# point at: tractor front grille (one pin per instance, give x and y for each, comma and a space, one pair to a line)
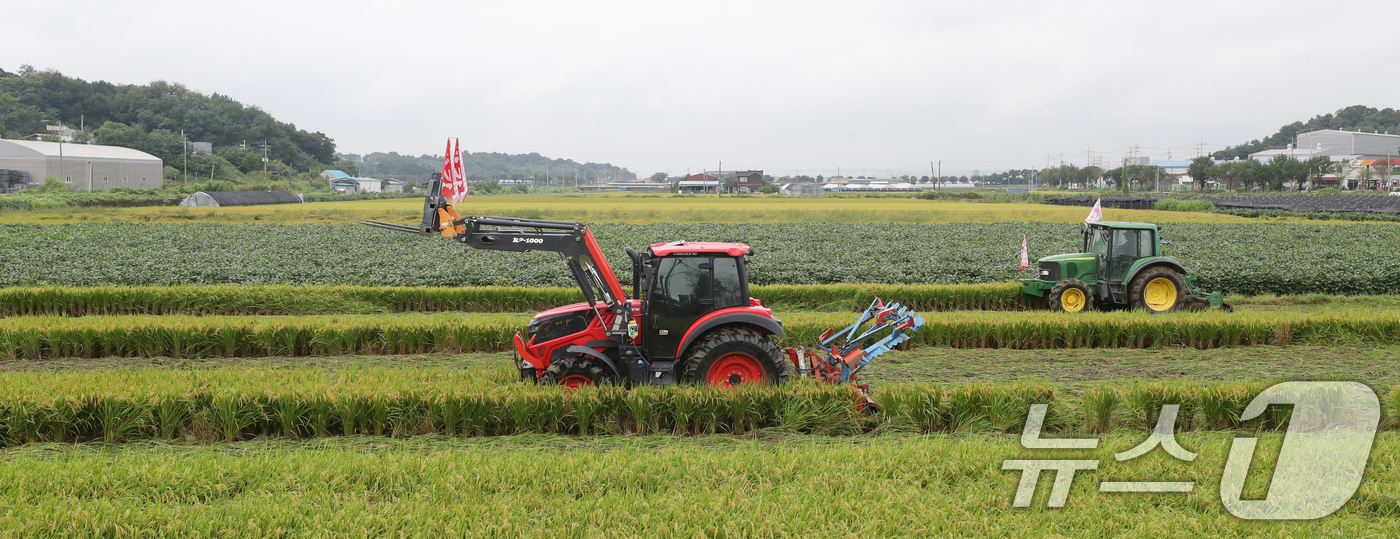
1049, 271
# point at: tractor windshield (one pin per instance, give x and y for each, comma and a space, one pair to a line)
1100, 244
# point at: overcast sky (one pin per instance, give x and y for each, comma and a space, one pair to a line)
781, 86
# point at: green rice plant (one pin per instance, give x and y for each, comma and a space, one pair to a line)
968, 408
583, 405
1221, 405
232, 413
352, 412
321, 413
917, 406
1145, 402
685, 406
120, 418
1099, 403
289, 413
169, 415
479, 414
642, 405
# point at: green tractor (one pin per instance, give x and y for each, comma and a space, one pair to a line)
1121, 265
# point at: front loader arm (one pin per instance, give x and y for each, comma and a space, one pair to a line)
574, 240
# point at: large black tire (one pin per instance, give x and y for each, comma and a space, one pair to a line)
735, 355
1060, 302
577, 371
1149, 292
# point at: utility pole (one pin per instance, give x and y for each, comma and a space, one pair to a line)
265, 148
185, 150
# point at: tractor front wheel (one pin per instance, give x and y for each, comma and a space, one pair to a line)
733, 356
1157, 290
577, 372
1071, 296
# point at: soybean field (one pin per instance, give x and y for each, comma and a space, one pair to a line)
1249, 258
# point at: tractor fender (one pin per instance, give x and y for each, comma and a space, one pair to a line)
1156, 264
737, 316
584, 350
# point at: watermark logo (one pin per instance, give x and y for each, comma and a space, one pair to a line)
1319, 467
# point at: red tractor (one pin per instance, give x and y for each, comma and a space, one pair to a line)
689, 318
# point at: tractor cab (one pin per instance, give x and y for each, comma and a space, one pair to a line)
684, 285
1120, 264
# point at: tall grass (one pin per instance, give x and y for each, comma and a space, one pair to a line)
240, 403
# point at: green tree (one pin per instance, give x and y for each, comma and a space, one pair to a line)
1199, 170
349, 167
1286, 168
1317, 167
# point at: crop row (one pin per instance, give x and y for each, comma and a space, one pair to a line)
262, 336
1243, 258
233, 404
346, 299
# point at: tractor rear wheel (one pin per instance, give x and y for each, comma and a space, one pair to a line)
577, 372
1157, 290
1070, 296
733, 356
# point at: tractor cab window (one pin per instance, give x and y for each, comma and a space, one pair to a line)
682, 283
1128, 246
1101, 237
729, 288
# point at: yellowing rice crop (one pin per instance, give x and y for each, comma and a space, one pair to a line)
247, 336
617, 208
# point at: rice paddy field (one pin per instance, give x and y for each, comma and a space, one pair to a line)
626, 208
277, 372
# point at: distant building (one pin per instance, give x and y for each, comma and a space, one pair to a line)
1339, 145
747, 181
881, 186
699, 183
807, 189
345, 183
85, 167
391, 186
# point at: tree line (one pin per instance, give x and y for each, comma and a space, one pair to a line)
484, 167
150, 117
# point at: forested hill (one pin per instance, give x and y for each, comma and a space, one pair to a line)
1353, 118
485, 165
149, 114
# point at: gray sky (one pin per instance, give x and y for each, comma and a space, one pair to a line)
782, 86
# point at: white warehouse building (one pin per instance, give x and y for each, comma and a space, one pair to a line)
85, 167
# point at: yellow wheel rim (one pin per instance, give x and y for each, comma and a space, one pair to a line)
1159, 294
1072, 300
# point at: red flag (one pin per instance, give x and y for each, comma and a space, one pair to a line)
1096, 214
1025, 260
449, 185
457, 173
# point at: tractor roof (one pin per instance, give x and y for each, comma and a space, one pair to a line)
682, 248
1124, 224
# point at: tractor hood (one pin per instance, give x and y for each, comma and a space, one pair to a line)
634, 304
572, 307
1069, 256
